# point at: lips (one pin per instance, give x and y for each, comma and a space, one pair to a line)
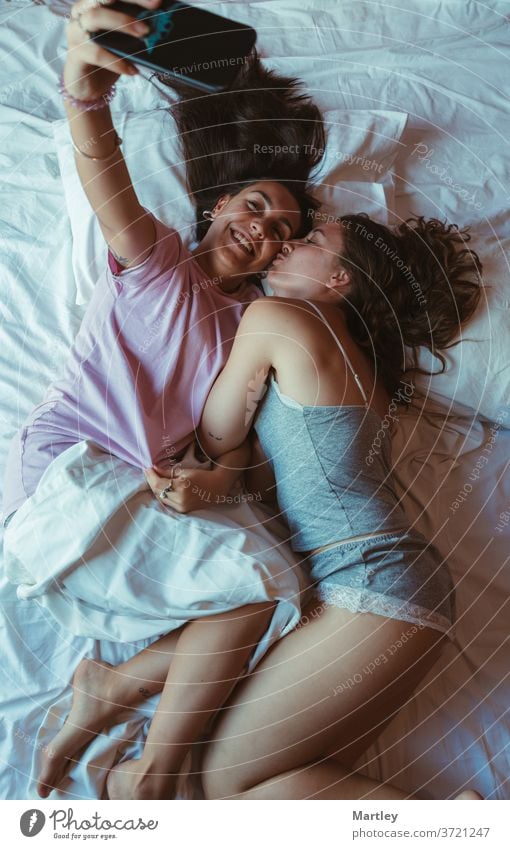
242, 241
278, 258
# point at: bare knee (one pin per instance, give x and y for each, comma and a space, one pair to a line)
211, 783
220, 780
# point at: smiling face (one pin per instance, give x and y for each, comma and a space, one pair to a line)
248, 230
311, 267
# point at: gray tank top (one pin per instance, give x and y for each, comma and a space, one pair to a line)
332, 466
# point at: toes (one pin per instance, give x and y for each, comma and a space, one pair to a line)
46, 783
43, 791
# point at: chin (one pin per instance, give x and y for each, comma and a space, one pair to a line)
275, 286
232, 260
283, 290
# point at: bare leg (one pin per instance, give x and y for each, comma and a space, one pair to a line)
319, 698
100, 693
194, 691
326, 780
329, 780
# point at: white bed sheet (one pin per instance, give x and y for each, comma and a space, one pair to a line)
446, 64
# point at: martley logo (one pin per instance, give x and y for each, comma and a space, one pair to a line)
32, 822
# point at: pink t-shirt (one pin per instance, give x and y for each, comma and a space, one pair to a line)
152, 341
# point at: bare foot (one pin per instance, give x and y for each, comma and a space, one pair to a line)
91, 710
472, 795
132, 780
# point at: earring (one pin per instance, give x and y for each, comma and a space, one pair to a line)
207, 214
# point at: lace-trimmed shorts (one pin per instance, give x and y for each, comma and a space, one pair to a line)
396, 575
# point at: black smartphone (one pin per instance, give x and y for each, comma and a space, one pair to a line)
185, 45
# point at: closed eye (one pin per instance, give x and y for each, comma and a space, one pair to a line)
311, 236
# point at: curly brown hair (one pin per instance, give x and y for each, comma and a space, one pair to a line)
413, 287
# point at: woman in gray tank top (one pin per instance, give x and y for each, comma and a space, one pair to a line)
352, 304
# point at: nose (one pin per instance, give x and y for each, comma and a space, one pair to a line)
286, 248
256, 229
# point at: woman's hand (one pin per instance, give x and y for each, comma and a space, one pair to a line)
90, 69
188, 489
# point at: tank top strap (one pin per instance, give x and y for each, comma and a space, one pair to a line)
343, 351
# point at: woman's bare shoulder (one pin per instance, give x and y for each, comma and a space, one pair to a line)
298, 316
278, 309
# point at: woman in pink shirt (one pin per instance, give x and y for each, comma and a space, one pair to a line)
159, 327
162, 318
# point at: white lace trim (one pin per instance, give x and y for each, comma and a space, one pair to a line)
367, 601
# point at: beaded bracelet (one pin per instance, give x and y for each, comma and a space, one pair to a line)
87, 105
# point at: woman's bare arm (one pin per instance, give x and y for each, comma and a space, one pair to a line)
126, 226
89, 71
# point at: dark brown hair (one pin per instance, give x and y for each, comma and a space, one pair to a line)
410, 288
264, 128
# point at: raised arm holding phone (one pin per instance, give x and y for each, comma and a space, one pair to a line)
89, 77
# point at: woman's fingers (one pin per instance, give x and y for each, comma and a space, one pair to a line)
90, 69
174, 497
94, 54
155, 481
145, 4
148, 4
98, 18
85, 5
164, 472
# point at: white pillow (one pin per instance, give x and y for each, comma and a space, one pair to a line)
476, 380
355, 173
362, 145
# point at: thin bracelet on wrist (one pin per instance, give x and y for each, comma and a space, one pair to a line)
118, 142
87, 105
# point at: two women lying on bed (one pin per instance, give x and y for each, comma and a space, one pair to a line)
373, 589
377, 583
